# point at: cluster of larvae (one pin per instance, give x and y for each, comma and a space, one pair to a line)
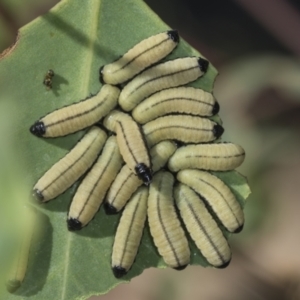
149, 149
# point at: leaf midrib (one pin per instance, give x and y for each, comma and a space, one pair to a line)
85, 88
87, 66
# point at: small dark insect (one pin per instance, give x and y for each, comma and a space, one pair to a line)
48, 79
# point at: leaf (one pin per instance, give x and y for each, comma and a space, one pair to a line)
74, 39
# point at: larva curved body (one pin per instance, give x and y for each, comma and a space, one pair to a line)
133, 148
77, 116
182, 128
160, 154
71, 167
127, 182
124, 185
112, 118
201, 226
214, 157
19, 266
184, 100
129, 233
217, 195
91, 192
162, 76
138, 58
165, 227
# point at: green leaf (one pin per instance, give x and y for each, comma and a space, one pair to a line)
74, 39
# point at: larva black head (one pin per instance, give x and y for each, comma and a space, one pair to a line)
12, 285
101, 75
174, 36
239, 229
218, 130
109, 209
224, 265
203, 64
119, 271
179, 268
144, 173
74, 224
216, 108
38, 128
37, 194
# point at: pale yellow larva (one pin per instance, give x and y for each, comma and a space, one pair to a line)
71, 167
184, 100
77, 116
144, 54
165, 227
182, 128
214, 157
127, 182
92, 190
131, 143
217, 195
169, 74
129, 233
201, 226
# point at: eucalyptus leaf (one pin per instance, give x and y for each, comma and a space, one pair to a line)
74, 39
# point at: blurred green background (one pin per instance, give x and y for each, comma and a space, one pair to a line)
255, 46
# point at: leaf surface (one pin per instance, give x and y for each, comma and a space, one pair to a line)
74, 39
